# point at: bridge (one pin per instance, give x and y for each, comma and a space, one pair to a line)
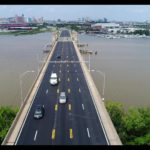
83, 120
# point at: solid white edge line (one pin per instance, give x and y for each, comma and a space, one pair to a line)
88, 132
18, 136
35, 135
20, 131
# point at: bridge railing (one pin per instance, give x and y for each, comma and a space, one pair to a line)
23, 105
107, 125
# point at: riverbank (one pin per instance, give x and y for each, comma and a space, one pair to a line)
27, 32
7, 115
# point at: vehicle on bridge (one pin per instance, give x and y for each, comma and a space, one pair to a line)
53, 79
62, 98
58, 56
39, 111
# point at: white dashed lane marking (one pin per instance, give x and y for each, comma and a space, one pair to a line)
57, 90
82, 106
36, 132
79, 90
69, 90
88, 132
46, 91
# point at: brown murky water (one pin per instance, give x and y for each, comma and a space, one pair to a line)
125, 62
17, 55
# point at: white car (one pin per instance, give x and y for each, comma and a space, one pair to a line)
62, 98
53, 79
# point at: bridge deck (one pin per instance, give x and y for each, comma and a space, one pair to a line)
76, 122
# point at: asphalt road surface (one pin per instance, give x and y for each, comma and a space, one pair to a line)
73, 123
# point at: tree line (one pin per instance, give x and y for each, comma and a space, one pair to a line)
7, 115
132, 125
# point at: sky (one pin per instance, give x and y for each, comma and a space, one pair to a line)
73, 12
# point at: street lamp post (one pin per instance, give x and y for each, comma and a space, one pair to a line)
21, 76
103, 74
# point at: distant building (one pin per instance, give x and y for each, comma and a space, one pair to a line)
40, 20
105, 25
105, 20
29, 20
4, 20
11, 20
20, 19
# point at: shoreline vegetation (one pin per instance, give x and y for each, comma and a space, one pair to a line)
7, 115
132, 125
27, 32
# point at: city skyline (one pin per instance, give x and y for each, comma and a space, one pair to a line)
73, 12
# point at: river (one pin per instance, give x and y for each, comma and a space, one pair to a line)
17, 55
125, 63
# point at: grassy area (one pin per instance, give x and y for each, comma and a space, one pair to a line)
26, 32
7, 115
5, 33
133, 125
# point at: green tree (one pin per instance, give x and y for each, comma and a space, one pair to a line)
133, 126
116, 112
142, 140
7, 115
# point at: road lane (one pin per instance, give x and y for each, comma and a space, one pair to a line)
61, 125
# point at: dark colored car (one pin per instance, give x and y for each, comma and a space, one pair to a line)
39, 111
58, 56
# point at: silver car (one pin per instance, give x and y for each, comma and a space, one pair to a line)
62, 98
39, 111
